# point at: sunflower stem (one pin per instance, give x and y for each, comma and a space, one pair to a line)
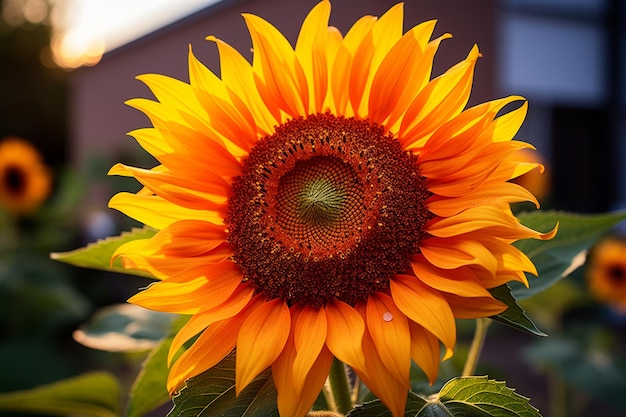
476, 347
340, 388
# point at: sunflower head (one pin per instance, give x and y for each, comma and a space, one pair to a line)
606, 272
24, 179
331, 200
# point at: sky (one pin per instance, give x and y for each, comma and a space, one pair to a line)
92, 27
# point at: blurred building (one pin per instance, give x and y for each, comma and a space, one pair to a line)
566, 56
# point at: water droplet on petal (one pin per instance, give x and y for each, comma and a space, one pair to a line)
388, 316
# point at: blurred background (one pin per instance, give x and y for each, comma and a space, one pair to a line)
67, 66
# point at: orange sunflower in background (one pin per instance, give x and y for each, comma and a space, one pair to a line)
606, 272
24, 179
328, 200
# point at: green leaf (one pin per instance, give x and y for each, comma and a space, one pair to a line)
560, 256
459, 397
514, 316
94, 394
414, 405
98, 255
212, 393
149, 391
125, 328
492, 397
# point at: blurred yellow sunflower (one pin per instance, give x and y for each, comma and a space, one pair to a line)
328, 200
24, 179
606, 272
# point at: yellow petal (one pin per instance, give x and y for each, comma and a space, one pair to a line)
173, 92
261, 339
152, 141
509, 124
156, 212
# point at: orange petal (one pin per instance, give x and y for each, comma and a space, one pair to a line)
389, 330
485, 194
311, 50
345, 331
441, 100
425, 351
461, 281
290, 403
198, 322
386, 31
454, 252
426, 307
391, 391
261, 339
206, 195
205, 353
309, 339
281, 78
474, 307
190, 291
231, 119
496, 219
343, 62
400, 76
237, 74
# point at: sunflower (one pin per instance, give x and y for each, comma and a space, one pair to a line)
24, 179
331, 200
606, 272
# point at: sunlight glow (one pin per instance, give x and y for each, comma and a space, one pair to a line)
88, 28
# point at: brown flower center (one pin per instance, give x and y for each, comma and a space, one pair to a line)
14, 180
616, 274
326, 208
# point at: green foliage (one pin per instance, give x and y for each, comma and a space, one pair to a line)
460, 397
514, 316
98, 255
212, 393
125, 328
149, 390
94, 395
560, 256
